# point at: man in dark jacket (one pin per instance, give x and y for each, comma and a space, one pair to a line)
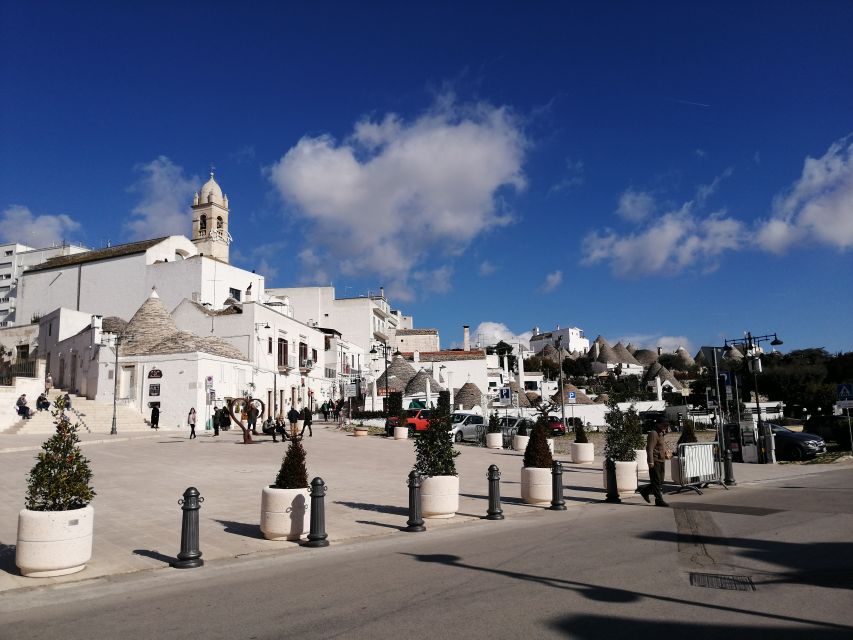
306, 422
293, 417
656, 453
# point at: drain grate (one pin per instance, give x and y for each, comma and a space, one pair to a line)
715, 581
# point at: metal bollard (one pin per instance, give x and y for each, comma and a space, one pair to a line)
317, 534
612, 490
729, 470
557, 502
190, 555
494, 511
415, 521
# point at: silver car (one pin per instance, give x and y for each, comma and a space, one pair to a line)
467, 426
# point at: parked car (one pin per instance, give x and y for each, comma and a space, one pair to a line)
390, 423
832, 428
650, 418
418, 419
465, 426
792, 445
557, 426
510, 426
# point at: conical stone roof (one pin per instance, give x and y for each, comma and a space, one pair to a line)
419, 382
523, 400
580, 396
658, 370
624, 355
469, 396
400, 372
686, 360
631, 348
646, 357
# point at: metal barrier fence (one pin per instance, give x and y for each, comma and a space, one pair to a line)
19, 369
698, 465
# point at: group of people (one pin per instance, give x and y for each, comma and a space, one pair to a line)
273, 427
42, 404
331, 408
221, 420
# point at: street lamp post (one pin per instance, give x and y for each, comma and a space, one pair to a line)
118, 338
374, 352
752, 345
562, 394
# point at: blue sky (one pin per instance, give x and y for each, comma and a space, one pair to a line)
666, 173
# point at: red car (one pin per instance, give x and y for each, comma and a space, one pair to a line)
557, 426
418, 419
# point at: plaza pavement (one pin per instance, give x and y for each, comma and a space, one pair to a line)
140, 476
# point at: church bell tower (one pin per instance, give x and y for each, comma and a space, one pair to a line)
210, 221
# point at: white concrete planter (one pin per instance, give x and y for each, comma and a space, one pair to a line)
54, 543
440, 496
494, 441
285, 513
519, 443
583, 452
535, 485
401, 433
642, 461
360, 432
626, 478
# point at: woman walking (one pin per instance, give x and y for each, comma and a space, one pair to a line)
155, 417
191, 422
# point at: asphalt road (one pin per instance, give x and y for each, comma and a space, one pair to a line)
594, 571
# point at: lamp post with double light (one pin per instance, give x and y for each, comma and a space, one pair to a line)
562, 392
752, 347
373, 352
117, 340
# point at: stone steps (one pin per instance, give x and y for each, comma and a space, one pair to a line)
92, 417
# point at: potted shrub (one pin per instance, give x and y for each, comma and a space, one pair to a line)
621, 441
583, 451
55, 527
285, 507
520, 439
536, 472
434, 455
494, 436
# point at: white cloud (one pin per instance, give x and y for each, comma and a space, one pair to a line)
313, 270
635, 206
705, 191
487, 268
166, 194
574, 177
552, 281
396, 192
489, 333
19, 224
818, 206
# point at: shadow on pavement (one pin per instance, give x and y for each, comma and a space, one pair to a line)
591, 626
380, 524
381, 508
246, 529
154, 555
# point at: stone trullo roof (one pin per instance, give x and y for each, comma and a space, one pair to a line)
523, 400
658, 370
624, 355
399, 374
469, 396
152, 331
580, 396
685, 359
418, 384
646, 357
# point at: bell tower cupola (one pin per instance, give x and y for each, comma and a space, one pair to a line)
210, 221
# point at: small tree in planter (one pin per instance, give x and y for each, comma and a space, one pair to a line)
624, 435
49, 542
285, 509
580, 432
494, 433
434, 455
583, 451
536, 473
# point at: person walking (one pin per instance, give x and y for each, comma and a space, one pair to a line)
191, 422
307, 418
48, 383
252, 414
214, 421
224, 421
657, 452
155, 417
324, 409
293, 417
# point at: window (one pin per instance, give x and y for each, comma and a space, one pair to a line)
269, 345
5, 265
218, 222
234, 293
9, 253
303, 352
282, 352
314, 355
202, 224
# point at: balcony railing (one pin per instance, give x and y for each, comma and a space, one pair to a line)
289, 364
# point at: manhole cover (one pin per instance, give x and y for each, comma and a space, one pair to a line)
715, 581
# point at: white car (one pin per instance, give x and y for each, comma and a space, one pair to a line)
466, 426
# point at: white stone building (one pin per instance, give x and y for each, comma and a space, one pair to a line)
573, 339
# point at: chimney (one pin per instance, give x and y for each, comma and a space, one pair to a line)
416, 356
660, 350
466, 337
381, 292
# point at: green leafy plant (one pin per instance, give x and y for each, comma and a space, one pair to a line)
395, 403
293, 473
537, 453
624, 433
59, 481
434, 450
580, 432
494, 425
522, 427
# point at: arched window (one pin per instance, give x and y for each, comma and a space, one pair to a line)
218, 222
202, 224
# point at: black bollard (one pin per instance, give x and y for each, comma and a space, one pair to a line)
494, 511
190, 555
729, 470
317, 534
415, 522
557, 502
612, 490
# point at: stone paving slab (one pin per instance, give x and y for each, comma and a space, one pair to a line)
140, 477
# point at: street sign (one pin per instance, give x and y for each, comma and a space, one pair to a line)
572, 397
350, 390
845, 391
505, 396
